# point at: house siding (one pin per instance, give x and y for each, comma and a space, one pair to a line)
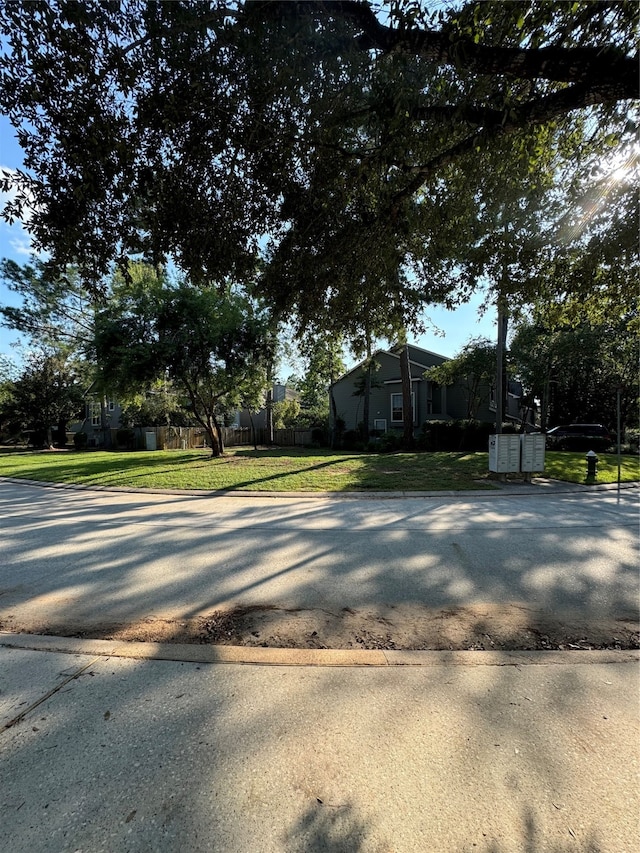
387, 381
448, 402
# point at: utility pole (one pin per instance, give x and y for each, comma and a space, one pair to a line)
502, 336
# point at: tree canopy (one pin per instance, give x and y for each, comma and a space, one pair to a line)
213, 346
47, 393
474, 368
341, 141
56, 310
576, 371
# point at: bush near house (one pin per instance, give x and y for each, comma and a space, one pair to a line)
126, 439
632, 439
80, 441
388, 442
436, 436
461, 435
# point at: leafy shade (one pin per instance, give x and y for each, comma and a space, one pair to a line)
212, 345
346, 138
57, 310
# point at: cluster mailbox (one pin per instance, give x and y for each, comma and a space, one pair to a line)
532, 449
514, 453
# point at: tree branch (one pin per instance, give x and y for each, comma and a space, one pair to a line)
533, 112
556, 64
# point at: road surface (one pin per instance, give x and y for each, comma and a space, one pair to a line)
84, 557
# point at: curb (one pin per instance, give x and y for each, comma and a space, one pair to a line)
259, 656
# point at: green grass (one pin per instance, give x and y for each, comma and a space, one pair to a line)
572, 467
263, 470
288, 470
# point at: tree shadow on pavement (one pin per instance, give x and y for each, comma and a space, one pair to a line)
534, 842
327, 828
142, 755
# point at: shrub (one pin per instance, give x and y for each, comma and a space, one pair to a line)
456, 436
318, 437
351, 439
38, 438
632, 438
80, 441
125, 438
389, 442
59, 437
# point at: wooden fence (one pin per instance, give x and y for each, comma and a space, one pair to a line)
190, 438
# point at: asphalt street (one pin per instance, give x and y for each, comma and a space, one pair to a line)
89, 556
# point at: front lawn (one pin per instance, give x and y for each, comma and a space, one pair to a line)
282, 470
289, 470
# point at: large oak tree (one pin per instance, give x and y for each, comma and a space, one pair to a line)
343, 141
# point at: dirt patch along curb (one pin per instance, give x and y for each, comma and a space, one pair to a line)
481, 627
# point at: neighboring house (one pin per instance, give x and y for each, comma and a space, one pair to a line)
92, 424
430, 401
280, 393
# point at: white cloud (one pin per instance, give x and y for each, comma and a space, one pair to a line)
21, 246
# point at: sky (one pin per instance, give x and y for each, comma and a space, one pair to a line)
455, 327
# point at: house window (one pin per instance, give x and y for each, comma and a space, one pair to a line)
112, 406
396, 408
95, 414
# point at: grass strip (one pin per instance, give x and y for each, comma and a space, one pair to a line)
291, 469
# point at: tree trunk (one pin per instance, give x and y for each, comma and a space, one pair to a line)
269, 416
220, 438
104, 423
366, 407
213, 434
62, 432
254, 437
500, 372
407, 408
334, 419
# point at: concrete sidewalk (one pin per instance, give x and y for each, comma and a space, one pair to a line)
483, 752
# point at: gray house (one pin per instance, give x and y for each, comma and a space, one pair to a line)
259, 419
101, 415
429, 400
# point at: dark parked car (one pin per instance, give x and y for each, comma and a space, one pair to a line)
579, 437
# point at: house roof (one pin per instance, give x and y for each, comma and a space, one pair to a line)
396, 355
